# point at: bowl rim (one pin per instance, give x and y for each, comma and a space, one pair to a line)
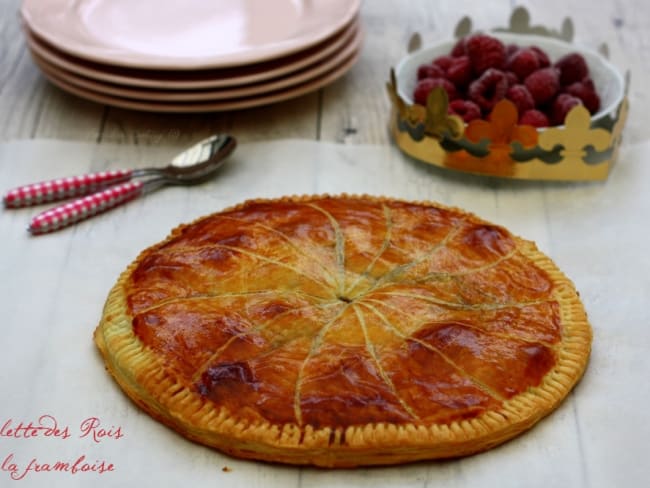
610, 108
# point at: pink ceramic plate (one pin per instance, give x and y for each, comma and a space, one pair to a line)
193, 34
219, 106
193, 79
315, 71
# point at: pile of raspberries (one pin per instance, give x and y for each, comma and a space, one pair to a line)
481, 70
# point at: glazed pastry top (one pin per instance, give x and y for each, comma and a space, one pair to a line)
346, 311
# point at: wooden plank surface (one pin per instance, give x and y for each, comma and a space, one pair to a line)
573, 448
352, 110
56, 285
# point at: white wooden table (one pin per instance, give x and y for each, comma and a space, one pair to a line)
53, 287
353, 110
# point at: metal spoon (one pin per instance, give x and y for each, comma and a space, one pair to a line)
194, 165
198, 158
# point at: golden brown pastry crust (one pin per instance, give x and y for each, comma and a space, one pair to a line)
344, 331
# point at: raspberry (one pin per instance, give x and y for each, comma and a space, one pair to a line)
561, 107
465, 109
542, 57
488, 89
512, 78
459, 48
480, 70
534, 118
523, 63
589, 83
443, 62
543, 84
586, 93
521, 97
511, 49
430, 71
424, 87
573, 67
460, 71
485, 52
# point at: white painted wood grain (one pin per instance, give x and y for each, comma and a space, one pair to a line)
54, 286
352, 110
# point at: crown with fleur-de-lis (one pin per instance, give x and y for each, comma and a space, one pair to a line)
575, 136
582, 148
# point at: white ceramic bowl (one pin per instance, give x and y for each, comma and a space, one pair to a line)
609, 82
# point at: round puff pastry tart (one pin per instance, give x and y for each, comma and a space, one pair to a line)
344, 331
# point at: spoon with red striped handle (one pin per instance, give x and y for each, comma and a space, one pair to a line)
105, 190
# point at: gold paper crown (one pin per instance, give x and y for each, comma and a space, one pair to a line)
581, 149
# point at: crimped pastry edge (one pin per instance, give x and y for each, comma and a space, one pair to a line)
143, 377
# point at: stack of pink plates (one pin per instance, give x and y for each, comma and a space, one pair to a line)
195, 55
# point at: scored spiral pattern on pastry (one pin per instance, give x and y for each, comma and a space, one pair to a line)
331, 314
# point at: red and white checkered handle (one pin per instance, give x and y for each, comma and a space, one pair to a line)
62, 188
82, 208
